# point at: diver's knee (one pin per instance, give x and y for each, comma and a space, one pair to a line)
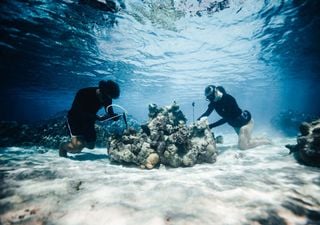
77, 147
243, 144
64, 145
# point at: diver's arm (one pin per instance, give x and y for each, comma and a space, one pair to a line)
218, 123
107, 116
110, 113
109, 110
207, 113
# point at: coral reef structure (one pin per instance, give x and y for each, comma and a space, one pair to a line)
165, 139
307, 149
51, 132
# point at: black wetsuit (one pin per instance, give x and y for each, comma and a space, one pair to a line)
83, 113
230, 112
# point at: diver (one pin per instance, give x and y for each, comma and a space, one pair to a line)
227, 107
83, 114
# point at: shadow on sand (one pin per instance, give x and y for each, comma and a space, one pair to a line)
87, 156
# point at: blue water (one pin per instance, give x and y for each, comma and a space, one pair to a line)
266, 53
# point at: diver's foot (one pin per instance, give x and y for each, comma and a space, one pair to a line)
62, 152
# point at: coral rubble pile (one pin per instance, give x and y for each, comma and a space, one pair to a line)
307, 149
165, 139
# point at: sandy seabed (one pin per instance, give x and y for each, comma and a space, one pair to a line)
263, 185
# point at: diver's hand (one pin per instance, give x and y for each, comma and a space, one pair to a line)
101, 118
115, 117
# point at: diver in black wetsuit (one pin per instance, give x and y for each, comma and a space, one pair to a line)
227, 107
83, 114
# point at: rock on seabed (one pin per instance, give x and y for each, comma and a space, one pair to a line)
307, 149
165, 139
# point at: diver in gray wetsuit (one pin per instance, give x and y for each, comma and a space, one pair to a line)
227, 107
